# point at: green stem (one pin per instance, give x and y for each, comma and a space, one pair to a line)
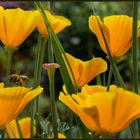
104, 79
42, 52
19, 129
135, 46
82, 128
51, 73
37, 74
98, 79
9, 61
138, 122
37, 61
33, 103
135, 52
109, 78
50, 49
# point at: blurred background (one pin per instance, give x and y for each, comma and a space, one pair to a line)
76, 39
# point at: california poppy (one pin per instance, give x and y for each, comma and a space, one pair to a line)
13, 100
117, 30
58, 23
85, 71
16, 25
104, 112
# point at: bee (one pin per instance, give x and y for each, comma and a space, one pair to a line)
18, 79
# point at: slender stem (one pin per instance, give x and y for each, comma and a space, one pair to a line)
82, 128
135, 46
33, 103
42, 52
51, 83
135, 52
98, 79
50, 49
104, 79
109, 78
38, 67
37, 74
37, 61
51, 73
19, 129
9, 61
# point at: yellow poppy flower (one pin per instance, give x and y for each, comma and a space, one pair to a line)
84, 72
104, 112
24, 124
117, 30
16, 25
13, 100
58, 23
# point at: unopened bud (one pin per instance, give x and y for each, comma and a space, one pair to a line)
48, 66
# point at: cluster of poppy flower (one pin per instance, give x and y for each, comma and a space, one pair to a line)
97, 108
102, 111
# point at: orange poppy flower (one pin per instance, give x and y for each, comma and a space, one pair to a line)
13, 100
104, 112
117, 31
84, 72
58, 23
16, 25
